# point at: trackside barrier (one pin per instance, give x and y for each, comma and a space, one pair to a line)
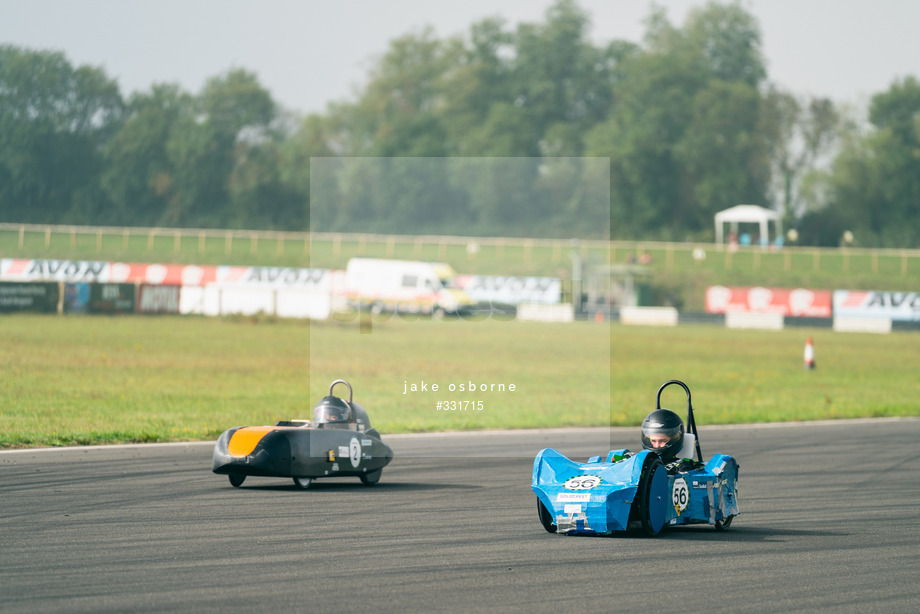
545, 313
649, 316
862, 325
745, 319
217, 300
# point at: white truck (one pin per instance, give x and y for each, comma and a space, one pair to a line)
403, 286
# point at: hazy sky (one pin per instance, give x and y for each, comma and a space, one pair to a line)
308, 53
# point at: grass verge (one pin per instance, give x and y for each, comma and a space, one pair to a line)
93, 380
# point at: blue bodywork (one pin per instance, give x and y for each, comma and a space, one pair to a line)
627, 490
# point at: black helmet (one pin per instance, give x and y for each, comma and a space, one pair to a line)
331, 410
659, 424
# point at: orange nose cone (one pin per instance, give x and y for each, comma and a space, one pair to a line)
245, 440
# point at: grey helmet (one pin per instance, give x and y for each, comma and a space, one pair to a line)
332, 410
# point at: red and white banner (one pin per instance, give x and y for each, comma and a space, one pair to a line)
75, 271
511, 290
21, 269
170, 274
798, 302
281, 277
902, 306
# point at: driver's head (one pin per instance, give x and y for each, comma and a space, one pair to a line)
331, 410
663, 433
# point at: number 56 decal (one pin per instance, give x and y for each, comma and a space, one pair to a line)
680, 495
582, 482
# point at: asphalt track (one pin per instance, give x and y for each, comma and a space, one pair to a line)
829, 523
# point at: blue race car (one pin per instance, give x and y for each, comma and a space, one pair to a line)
662, 485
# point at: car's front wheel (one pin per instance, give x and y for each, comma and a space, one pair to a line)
546, 519
303, 483
236, 479
651, 496
371, 478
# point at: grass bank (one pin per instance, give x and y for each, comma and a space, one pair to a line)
89, 380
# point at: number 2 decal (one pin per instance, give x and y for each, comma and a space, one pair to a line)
354, 449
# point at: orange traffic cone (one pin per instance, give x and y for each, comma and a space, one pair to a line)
809, 354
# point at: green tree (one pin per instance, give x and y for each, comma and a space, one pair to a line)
801, 132
314, 136
562, 81
723, 155
684, 133
139, 176
874, 184
233, 116
54, 121
397, 115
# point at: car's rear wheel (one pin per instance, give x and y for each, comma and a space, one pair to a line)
371, 478
303, 483
236, 479
546, 519
651, 496
723, 523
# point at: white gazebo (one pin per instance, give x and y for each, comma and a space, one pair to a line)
750, 214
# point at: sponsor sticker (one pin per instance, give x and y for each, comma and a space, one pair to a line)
572, 509
572, 497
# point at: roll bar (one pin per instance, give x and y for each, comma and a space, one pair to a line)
691, 421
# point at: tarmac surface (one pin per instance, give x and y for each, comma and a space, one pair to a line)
829, 522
